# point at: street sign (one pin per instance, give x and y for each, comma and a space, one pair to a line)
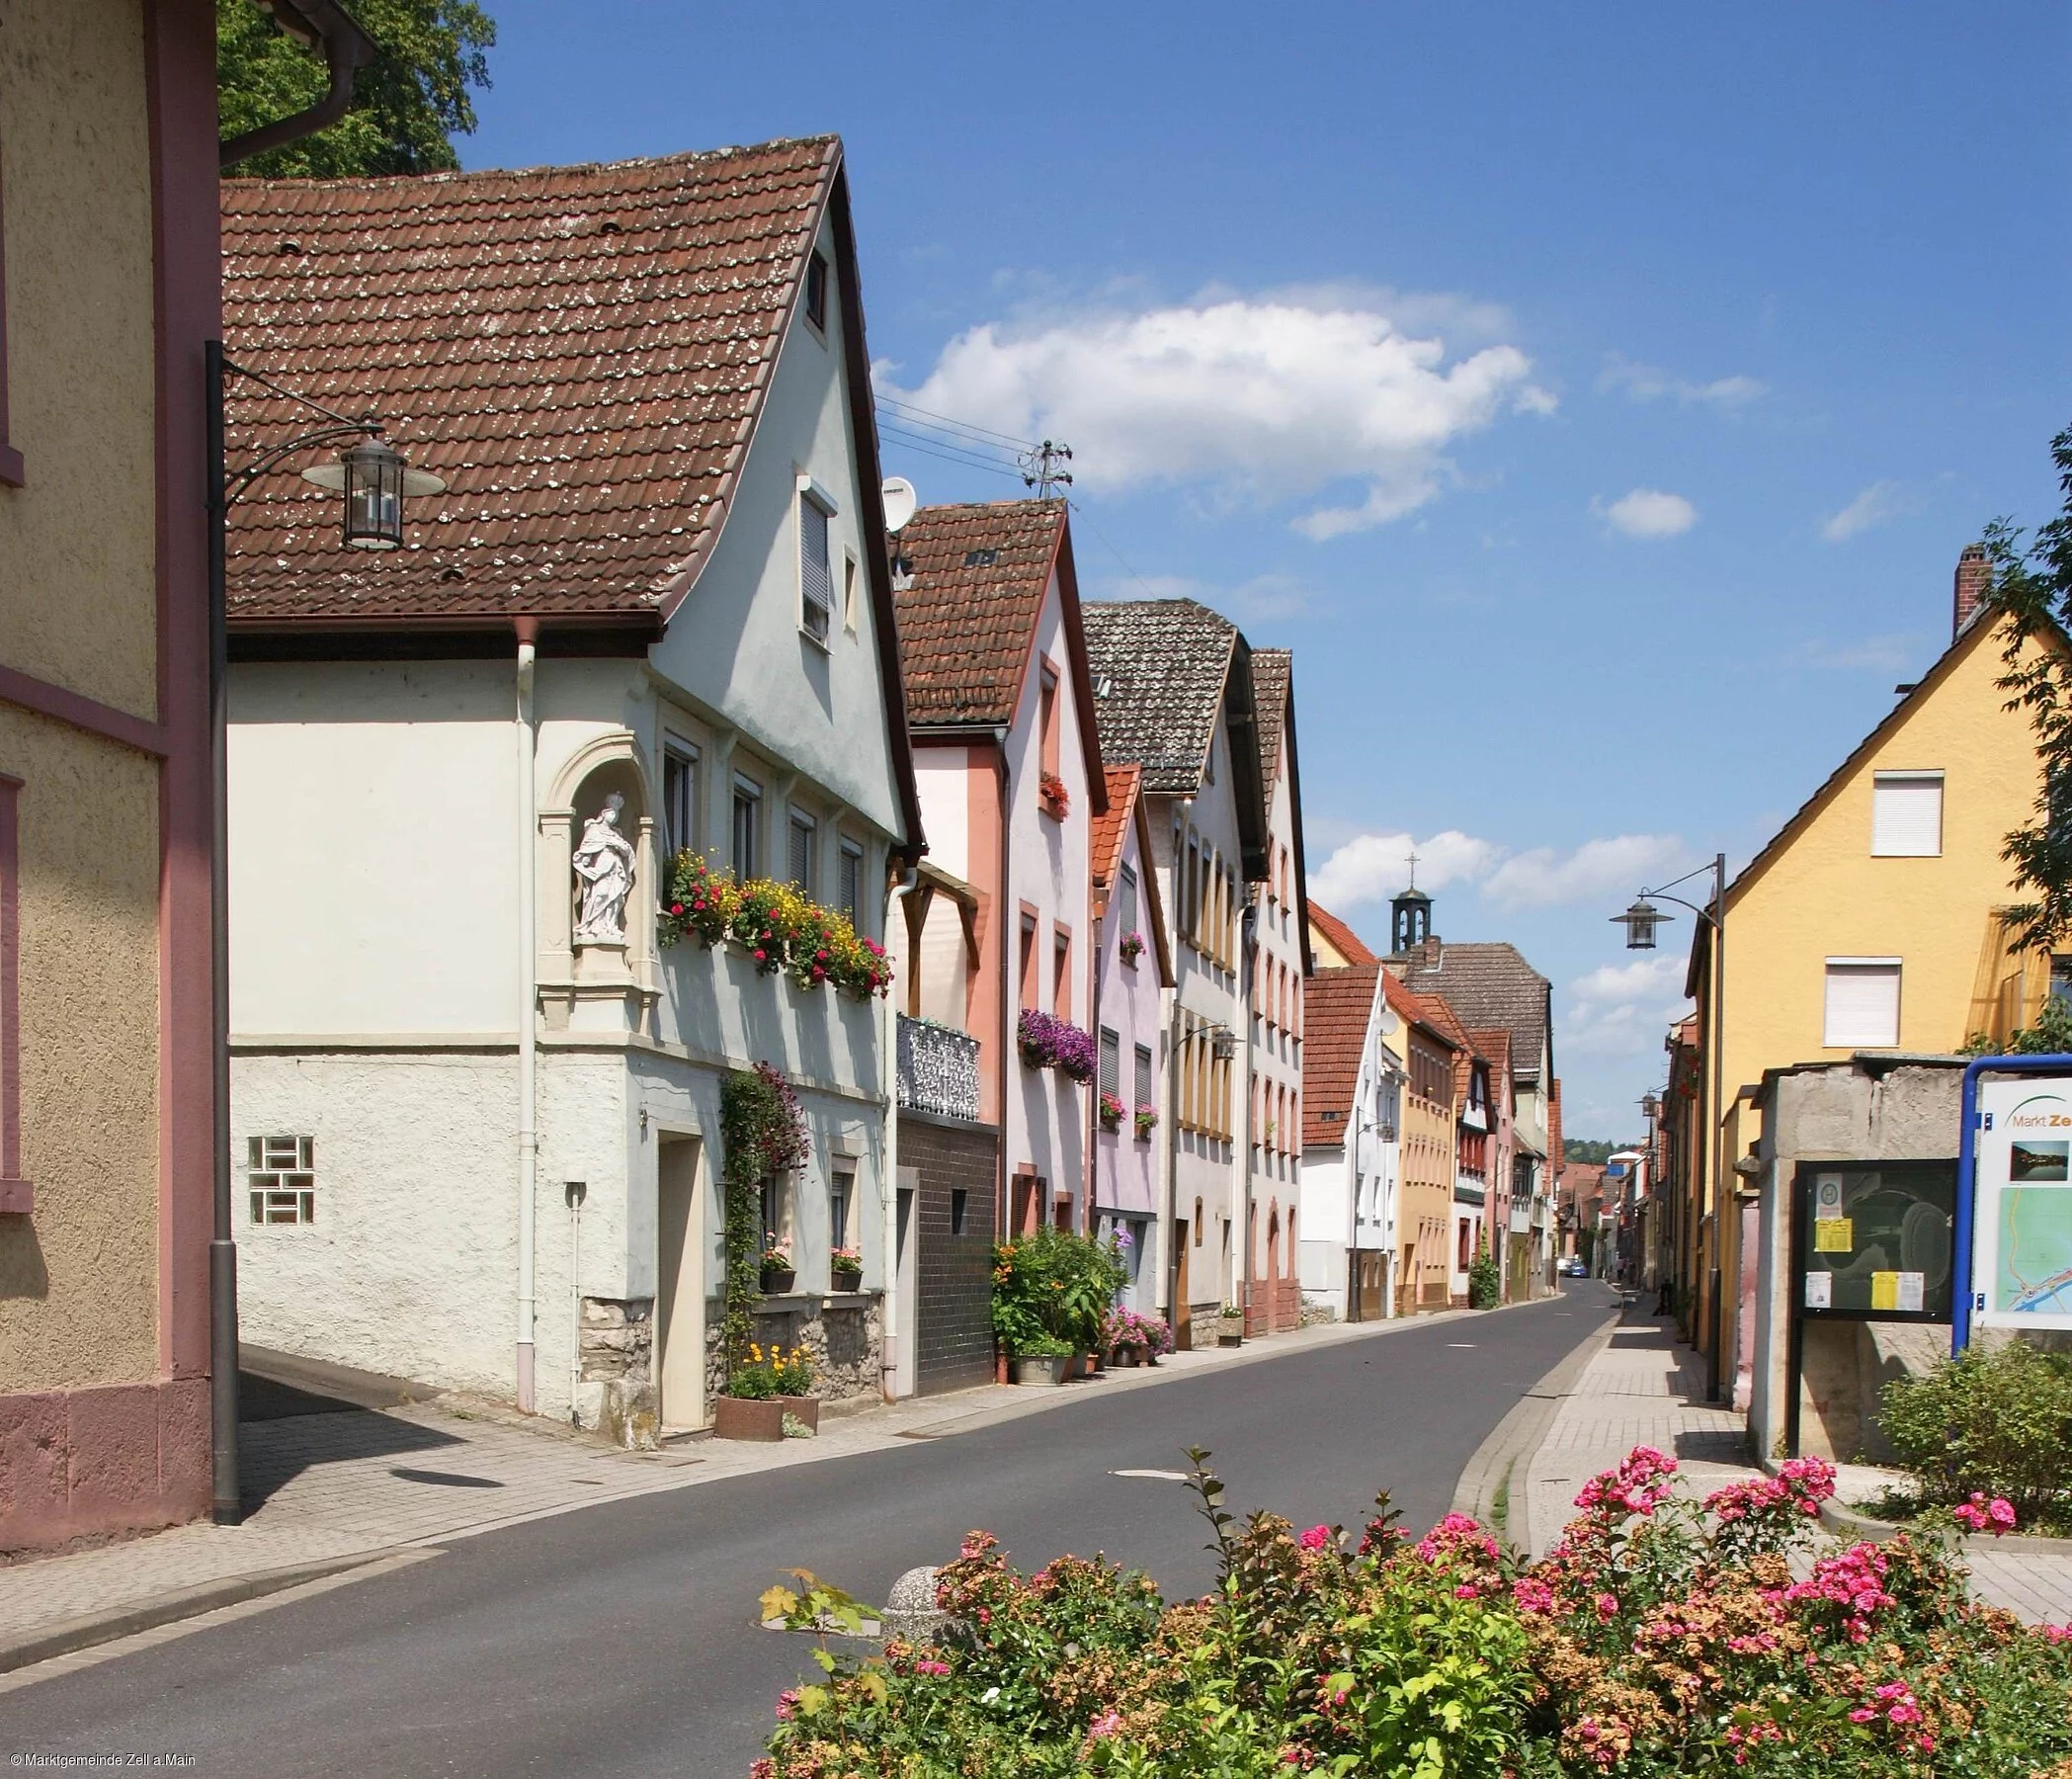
2021, 1272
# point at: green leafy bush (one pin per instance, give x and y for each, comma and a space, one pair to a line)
1998, 1422
1053, 1284
1660, 1638
772, 1371
1485, 1284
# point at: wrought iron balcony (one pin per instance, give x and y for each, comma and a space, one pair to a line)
938, 1070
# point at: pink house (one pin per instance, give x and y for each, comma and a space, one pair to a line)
1009, 767
1133, 965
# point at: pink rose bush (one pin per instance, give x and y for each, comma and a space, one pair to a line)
1661, 1636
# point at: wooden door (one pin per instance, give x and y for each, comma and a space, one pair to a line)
1182, 1318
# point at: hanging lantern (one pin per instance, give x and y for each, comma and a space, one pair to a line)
373, 477
1640, 922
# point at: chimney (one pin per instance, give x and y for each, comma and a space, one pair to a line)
1974, 580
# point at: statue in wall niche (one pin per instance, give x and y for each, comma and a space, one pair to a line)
604, 864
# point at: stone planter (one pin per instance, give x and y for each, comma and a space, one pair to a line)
744, 1417
778, 1280
1046, 1369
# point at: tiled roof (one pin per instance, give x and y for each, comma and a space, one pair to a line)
1491, 986
1104, 842
1411, 1006
969, 619
1336, 1007
1273, 670
1334, 932
1166, 663
1495, 1047
580, 352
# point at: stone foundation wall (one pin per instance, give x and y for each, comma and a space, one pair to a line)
845, 1335
616, 1392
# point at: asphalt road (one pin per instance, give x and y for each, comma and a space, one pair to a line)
621, 1640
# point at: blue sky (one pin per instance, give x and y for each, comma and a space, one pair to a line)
1594, 399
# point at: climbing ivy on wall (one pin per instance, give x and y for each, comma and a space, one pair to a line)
762, 1132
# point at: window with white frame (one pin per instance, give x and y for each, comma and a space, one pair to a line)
1906, 815
1146, 1093
798, 857
680, 794
748, 809
1110, 1061
816, 290
849, 884
281, 1179
777, 1213
817, 587
840, 1196
1863, 1003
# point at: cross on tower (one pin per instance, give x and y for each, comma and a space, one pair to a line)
1412, 863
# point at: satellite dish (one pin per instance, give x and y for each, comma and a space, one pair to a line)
900, 502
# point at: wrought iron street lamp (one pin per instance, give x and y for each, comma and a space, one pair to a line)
375, 480
1640, 922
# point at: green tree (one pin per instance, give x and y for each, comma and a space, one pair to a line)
2031, 590
407, 104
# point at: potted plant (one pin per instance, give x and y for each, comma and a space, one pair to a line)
1046, 1041
778, 1275
1110, 1112
769, 1384
1056, 798
1146, 1122
845, 1268
1042, 1360
1130, 947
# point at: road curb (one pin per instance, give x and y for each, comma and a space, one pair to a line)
69, 1636
1521, 1432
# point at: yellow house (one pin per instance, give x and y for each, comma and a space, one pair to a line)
1874, 921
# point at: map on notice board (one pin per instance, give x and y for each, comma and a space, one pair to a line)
2023, 1271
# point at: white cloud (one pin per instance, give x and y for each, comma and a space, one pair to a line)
1873, 506
1264, 398
1263, 599
1622, 1009
1597, 868
1370, 868
1649, 383
1651, 513
1892, 653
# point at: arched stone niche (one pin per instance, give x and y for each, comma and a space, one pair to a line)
596, 984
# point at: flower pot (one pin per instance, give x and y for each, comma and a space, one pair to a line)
1046, 1368
846, 1281
1123, 1358
744, 1417
777, 1280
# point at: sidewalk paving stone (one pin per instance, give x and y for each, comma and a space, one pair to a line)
1647, 1388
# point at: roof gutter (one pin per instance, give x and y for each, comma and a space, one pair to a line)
346, 49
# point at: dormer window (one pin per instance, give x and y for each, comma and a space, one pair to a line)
816, 290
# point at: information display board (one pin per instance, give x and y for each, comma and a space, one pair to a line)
2021, 1217
1874, 1240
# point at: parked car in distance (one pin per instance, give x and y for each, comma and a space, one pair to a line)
1574, 1268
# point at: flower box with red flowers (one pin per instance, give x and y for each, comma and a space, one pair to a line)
1056, 800
1110, 1112
1130, 947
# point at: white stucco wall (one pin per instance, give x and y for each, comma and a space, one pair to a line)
373, 848
1277, 1045
735, 646
410, 1267
1204, 1169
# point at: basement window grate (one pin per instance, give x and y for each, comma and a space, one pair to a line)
281, 1179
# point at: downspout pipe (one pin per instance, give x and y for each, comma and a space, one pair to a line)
346, 48
527, 822
895, 907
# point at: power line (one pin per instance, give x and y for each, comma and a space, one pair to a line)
982, 455
907, 444
920, 413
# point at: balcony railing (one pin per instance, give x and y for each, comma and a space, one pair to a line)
938, 1070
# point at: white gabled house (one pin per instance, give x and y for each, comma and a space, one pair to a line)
476, 1101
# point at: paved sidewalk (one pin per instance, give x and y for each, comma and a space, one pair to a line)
1646, 1387
346, 1488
